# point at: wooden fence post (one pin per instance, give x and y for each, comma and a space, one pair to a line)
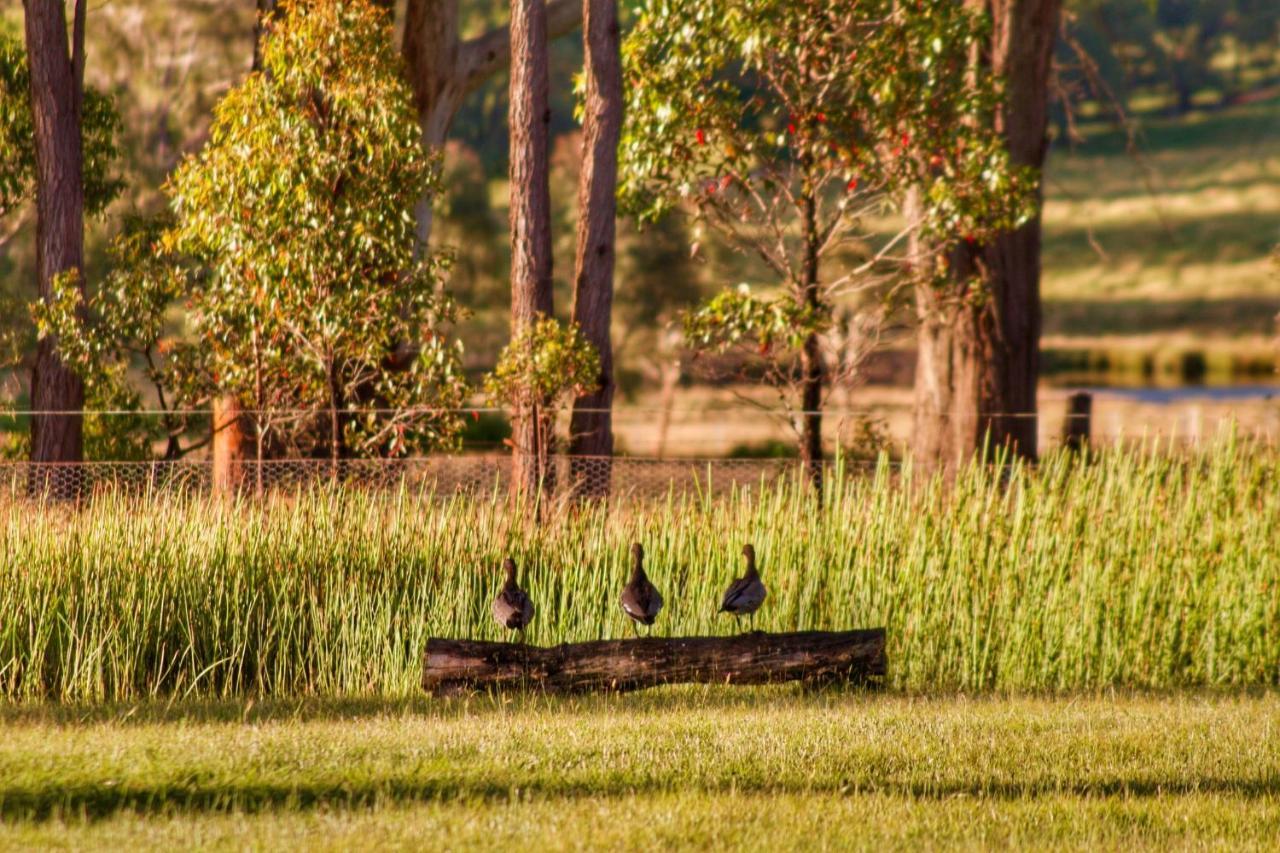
1077, 427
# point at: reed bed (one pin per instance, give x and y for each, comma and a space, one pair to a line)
1144, 568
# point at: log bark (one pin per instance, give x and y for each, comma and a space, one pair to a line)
453, 666
591, 426
978, 362
57, 85
531, 284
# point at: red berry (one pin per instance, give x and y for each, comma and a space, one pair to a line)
701, 136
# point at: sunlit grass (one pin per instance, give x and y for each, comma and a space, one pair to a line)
1146, 568
703, 767
1191, 213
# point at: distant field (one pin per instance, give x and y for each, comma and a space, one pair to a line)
1174, 236
754, 769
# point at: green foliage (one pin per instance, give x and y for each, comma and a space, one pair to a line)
546, 365
299, 211
100, 126
864, 99
737, 316
109, 331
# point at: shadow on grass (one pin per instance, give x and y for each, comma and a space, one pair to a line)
96, 801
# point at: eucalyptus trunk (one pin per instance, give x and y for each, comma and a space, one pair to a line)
591, 427
531, 294
978, 352
812, 372
57, 89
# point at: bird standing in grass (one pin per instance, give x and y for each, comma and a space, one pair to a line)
512, 609
745, 595
640, 600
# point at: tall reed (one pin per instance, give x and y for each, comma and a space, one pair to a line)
1144, 568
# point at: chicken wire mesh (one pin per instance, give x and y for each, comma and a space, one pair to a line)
444, 476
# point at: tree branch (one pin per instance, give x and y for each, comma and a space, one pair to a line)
483, 56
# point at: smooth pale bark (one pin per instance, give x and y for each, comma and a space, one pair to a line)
57, 87
443, 68
978, 361
591, 427
453, 666
531, 293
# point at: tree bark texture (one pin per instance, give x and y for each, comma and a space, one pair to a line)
591, 427
454, 666
230, 442
57, 75
443, 68
978, 361
812, 373
531, 294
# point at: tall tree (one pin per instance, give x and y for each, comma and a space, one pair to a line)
786, 127
57, 96
444, 68
978, 341
531, 293
591, 428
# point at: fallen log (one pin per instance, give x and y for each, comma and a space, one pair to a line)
454, 666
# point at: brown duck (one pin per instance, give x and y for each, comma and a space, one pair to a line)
512, 609
640, 600
745, 595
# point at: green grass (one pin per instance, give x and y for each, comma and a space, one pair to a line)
714, 767
1188, 222
1147, 568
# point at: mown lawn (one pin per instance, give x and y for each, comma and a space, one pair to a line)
706, 767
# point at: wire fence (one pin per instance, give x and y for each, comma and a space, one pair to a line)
662, 451
443, 476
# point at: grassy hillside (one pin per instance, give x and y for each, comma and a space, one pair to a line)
1173, 236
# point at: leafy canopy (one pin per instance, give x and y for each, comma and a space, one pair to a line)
100, 126
790, 128
292, 248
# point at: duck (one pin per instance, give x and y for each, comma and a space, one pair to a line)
640, 600
745, 595
512, 609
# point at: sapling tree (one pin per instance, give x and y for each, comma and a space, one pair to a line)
792, 130
544, 368
300, 207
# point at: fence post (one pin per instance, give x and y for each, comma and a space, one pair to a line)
1077, 427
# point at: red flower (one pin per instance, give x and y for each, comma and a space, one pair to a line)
852, 185
475, 416
791, 128
701, 136
822, 117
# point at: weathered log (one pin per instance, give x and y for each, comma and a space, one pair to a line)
454, 666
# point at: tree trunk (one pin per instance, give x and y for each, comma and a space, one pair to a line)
591, 427
978, 354
454, 666
811, 367
443, 69
57, 83
266, 8
531, 294
230, 441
